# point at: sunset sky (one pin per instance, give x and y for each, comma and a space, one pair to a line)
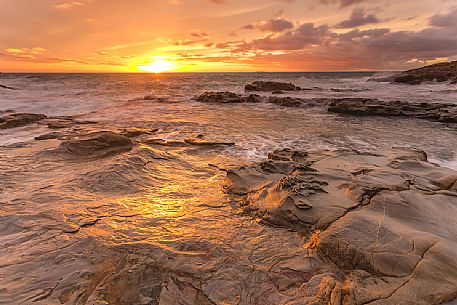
224, 35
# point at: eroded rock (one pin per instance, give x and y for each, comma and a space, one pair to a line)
97, 144
136, 132
286, 101
446, 113
227, 98
62, 122
20, 119
198, 141
269, 86
50, 136
379, 217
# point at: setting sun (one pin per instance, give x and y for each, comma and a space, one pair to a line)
158, 65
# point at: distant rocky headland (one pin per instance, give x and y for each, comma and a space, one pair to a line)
440, 72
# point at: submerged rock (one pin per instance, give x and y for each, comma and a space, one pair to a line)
379, 217
278, 92
227, 98
8, 87
441, 72
97, 144
345, 90
19, 119
269, 86
286, 101
446, 113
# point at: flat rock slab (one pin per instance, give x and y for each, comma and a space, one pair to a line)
19, 119
97, 144
386, 220
440, 112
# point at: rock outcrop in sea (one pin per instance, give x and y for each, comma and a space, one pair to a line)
227, 98
386, 221
269, 86
97, 144
286, 101
441, 72
440, 112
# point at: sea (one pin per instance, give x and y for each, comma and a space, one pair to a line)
166, 101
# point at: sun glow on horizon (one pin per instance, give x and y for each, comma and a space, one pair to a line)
158, 65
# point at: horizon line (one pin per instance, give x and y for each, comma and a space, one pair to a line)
192, 72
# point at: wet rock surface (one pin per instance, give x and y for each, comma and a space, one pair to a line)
269, 86
288, 101
285, 101
125, 229
19, 119
441, 72
439, 112
446, 113
187, 142
136, 132
63, 122
227, 98
97, 144
50, 136
382, 219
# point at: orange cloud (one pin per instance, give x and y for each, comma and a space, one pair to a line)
68, 5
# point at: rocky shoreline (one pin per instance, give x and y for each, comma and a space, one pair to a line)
161, 210
379, 217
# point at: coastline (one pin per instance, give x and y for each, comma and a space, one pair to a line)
132, 201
